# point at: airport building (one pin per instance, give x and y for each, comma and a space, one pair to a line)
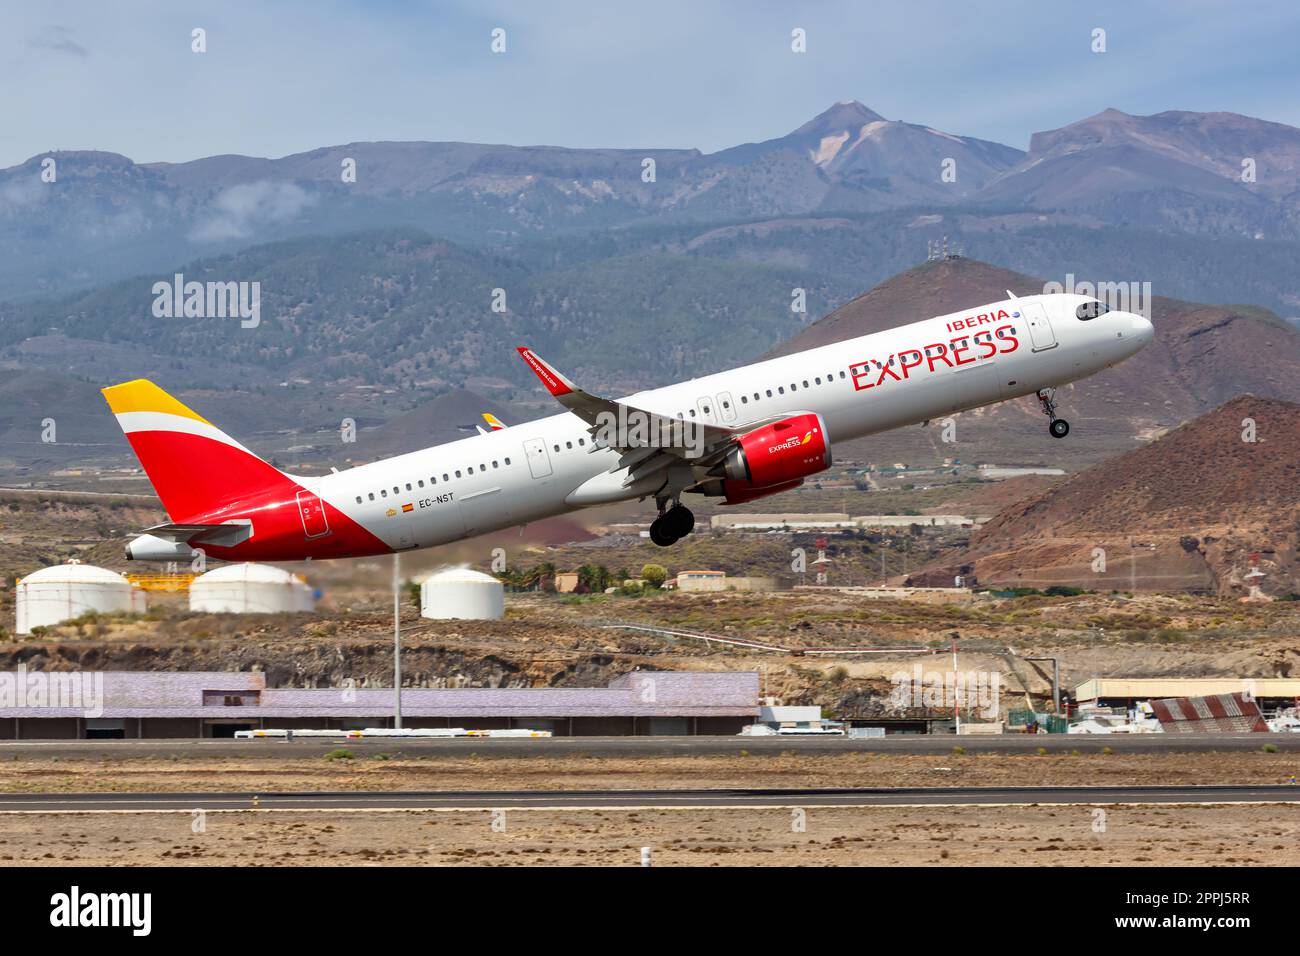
1271, 692
158, 704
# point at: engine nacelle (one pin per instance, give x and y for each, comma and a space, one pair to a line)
150, 547
777, 454
738, 492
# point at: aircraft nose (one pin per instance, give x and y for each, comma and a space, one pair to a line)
1143, 330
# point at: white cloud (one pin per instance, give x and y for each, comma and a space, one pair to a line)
238, 212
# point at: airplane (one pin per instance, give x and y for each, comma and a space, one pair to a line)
494, 424
737, 435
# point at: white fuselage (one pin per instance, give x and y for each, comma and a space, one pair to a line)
859, 386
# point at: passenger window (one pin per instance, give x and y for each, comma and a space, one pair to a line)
582, 441
568, 444
458, 474
408, 486
446, 477
818, 380
433, 479
557, 448
507, 462
781, 389
744, 399
383, 493
358, 499
726, 404
495, 464
372, 496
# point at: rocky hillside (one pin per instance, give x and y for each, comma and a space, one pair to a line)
1200, 507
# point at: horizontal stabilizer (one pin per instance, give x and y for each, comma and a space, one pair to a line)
226, 535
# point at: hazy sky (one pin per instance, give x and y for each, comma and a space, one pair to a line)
284, 77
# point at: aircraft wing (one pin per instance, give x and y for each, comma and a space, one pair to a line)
622, 426
647, 442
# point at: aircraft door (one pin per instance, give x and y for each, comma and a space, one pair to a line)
706, 409
312, 512
539, 462
726, 407
1041, 334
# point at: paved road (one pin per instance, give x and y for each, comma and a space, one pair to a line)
614, 799
271, 749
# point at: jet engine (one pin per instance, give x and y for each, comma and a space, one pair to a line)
773, 458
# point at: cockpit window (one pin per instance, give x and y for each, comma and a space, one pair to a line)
1091, 309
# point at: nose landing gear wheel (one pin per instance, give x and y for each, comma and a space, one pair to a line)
1058, 427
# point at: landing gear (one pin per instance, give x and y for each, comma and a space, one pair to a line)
677, 522
1057, 427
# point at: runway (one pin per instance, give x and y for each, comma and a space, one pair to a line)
930, 744
484, 800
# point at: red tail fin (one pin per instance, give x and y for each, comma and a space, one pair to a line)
194, 466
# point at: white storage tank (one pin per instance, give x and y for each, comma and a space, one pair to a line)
250, 589
66, 591
462, 594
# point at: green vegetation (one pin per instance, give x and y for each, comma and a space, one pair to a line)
654, 575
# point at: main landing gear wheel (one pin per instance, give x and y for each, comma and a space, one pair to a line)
659, 535
677, 522
680, 520
1057, 427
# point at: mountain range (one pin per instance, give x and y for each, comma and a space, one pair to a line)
105, 216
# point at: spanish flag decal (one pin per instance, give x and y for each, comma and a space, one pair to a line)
406, 508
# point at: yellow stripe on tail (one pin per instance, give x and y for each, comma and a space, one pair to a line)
142, 395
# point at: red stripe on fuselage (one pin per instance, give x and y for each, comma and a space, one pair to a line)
203, 481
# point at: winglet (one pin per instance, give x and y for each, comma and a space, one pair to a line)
555, 383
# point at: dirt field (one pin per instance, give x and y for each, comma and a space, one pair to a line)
948, 836
265, 771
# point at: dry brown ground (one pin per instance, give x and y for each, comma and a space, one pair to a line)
1000, 836
265, 770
